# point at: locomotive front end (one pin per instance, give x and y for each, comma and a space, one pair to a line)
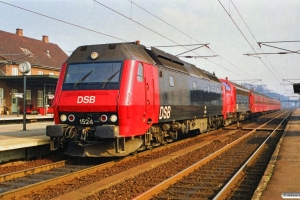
86, 106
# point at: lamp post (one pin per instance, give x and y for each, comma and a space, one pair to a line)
24, 68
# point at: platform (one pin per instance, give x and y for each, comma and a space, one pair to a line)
16, 143
29, 118
281, 178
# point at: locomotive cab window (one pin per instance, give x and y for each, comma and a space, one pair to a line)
95, 75
171, 81
227, 87
140, 73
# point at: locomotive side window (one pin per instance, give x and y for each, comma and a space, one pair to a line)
171, 81
140, 73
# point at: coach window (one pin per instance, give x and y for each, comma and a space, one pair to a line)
194, 85
171, 81
140, 74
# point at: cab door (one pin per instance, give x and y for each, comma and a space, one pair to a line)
149, 93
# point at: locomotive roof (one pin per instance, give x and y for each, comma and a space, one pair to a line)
173, 62
168, 60
111, 52
211, 76
136, 51
239, 87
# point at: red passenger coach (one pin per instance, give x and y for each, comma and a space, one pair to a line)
260, 104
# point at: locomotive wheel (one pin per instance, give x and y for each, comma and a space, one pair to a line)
159, 140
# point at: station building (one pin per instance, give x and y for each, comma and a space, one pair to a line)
45, 59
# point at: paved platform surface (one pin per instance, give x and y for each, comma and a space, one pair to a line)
20, 117
12, 136
286, 164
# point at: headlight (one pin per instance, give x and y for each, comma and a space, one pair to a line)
113, 118
94, 55
63, 117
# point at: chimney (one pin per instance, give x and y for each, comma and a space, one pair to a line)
19, 32
45, 39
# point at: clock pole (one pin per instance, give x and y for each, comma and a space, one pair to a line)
24, 68
24, 102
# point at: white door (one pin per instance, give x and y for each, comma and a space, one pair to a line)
14, 101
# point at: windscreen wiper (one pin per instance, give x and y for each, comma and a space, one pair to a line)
82, 79
109, 79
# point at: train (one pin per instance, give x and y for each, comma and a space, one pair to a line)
115, 99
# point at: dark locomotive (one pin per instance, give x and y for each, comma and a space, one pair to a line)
116, 99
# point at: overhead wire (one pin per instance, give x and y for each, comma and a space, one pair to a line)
187, 36
246, 39
136, 22
129, 18
253, 36
59, 20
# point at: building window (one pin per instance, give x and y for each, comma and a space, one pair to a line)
1, 96
51, 73
194, 85
140, 74
40, 72
40, 98
171, 81
15, 71
28, 97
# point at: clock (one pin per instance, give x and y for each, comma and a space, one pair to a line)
24, 67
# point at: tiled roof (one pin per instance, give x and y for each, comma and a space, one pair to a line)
15, 47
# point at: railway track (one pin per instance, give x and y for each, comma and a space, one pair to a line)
231, 173
118, 172
44, 189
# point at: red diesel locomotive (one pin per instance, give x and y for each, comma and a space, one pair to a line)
116, 99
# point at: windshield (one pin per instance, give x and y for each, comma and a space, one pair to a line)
226, 86
87, 76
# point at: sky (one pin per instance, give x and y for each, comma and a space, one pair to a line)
231, 28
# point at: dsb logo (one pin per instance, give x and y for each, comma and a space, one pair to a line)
165, 112
86, 99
